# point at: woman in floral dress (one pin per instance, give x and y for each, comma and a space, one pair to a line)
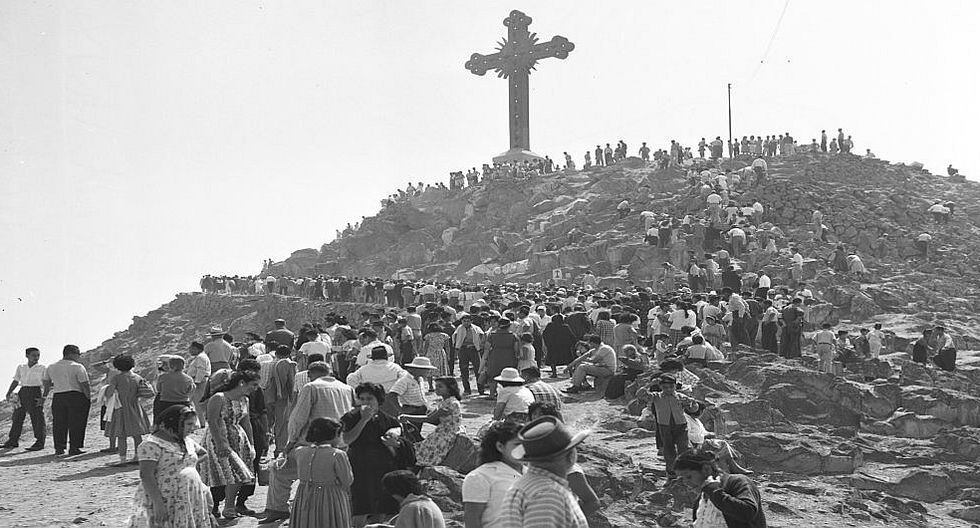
447, 417
170, 493
435, 346
228, 438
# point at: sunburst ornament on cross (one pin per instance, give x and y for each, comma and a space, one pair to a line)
516, 56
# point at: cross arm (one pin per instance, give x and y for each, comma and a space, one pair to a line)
479, 64
557, 47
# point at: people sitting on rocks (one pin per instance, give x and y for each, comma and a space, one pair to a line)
600, 362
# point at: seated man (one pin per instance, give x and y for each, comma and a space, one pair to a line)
599, 362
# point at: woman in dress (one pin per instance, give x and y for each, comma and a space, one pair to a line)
724, 500
325, 476
170, 491
484, 487
559, 343
435, 346
502, 349
376, 447
447, 417
228, 438
127, 419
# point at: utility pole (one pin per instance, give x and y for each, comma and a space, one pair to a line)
729, 120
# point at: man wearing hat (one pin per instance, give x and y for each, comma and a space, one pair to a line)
381, 370
668, 409
406, 394
542, 497
219, 351
280, 336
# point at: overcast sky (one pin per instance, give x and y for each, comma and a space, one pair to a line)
145, 144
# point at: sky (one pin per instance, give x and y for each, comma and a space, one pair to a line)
144, 144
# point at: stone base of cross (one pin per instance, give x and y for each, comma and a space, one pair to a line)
516, 155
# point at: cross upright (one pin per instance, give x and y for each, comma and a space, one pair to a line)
516, 56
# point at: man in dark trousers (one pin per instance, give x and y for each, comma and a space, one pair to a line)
68, 380
668, 410
29, 377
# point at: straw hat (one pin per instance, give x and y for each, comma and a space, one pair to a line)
420, 363
509, 374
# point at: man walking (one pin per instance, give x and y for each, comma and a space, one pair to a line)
29, 377
219, 351
70, 404
468, 340
668, 409
279, 395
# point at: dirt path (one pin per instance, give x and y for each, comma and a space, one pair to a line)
38, 489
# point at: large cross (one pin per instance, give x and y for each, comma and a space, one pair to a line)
516, 56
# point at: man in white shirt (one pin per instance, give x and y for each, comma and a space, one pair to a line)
379, 370
369, 340
738, 241
70, 404
317, 344
199, 369
29, 377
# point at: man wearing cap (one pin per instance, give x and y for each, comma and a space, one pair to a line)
219, 351
279, 336
668, 409
541, 497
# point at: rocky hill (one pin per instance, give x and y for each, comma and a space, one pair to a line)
893, 444
520, 230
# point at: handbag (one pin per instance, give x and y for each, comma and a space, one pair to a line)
144, 390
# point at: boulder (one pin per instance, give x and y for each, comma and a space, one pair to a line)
920, 484
795, 453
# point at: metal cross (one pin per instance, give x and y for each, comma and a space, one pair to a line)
516, 56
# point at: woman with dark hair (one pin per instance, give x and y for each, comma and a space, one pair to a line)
501, 351
170, 491
376, 448
416, 510
435, 346
228, 438
325, 477
127, 419
448, 419
731, 501
559, 343
485, 486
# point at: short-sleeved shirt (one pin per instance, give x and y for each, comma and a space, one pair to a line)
29, 376
219, 351
517, 398
199, 368
409, 391
66, 376
541, 498
545, 393
487, 485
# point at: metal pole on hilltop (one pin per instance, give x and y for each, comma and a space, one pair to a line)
730, 120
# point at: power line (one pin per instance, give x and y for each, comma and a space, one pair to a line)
772, 39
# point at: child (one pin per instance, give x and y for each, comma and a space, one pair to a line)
525, 357
325, 477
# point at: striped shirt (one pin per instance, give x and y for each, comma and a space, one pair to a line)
541, 499
544, 393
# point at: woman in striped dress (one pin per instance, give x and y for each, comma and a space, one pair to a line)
228, 438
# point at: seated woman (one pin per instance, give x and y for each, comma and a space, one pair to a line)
448, 419
703, 441
513, 397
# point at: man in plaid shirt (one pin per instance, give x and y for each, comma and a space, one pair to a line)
543, 392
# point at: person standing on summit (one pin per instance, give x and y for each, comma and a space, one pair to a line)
823, 141
840, 140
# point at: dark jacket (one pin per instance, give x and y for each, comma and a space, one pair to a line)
739, 501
